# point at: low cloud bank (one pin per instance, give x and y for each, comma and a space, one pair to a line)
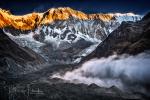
121, 71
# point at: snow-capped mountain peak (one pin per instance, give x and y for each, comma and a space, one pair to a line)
63, 31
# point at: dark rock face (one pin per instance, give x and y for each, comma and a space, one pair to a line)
16, 32
147, 16
130, 38
13, 58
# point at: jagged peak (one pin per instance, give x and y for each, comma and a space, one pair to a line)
32, 20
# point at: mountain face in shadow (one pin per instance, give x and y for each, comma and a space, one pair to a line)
14, 59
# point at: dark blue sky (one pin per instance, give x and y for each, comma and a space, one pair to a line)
87, 6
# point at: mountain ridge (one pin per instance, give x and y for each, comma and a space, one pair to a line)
32, 20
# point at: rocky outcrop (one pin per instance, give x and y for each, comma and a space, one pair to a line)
129, 37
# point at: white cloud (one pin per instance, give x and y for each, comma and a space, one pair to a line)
115, 70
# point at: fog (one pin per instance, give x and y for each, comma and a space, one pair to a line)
121, 71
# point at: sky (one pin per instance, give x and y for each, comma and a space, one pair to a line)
20, 7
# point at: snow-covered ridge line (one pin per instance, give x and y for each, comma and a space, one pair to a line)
124, 14
127, 17
33, 20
